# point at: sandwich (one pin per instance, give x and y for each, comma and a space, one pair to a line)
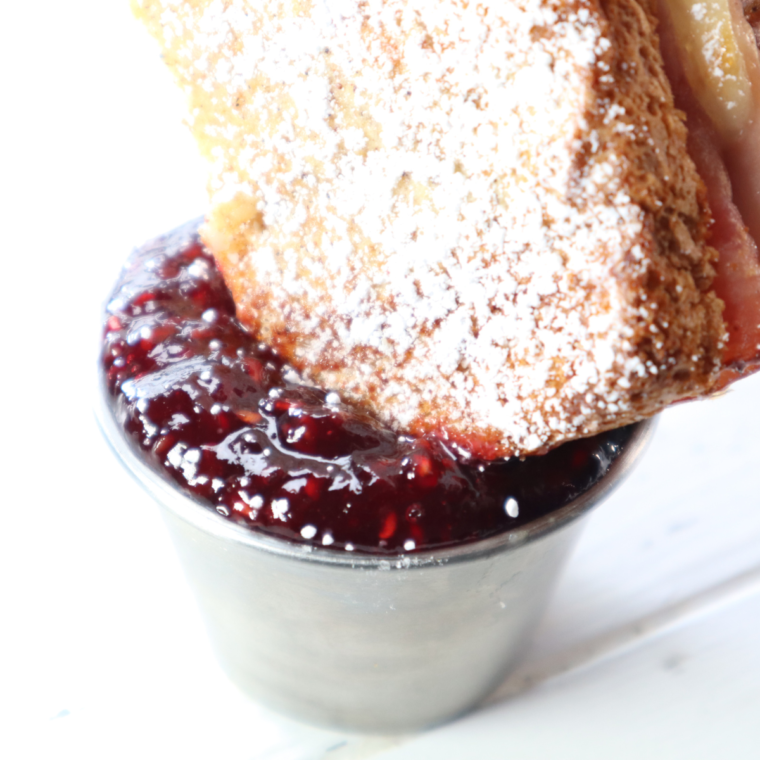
506, 224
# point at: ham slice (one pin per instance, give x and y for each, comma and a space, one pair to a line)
737, 280
729, 163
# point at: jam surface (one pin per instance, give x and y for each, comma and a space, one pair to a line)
232, 424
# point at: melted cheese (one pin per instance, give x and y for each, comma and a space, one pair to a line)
718, 51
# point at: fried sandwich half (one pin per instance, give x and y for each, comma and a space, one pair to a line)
488, 221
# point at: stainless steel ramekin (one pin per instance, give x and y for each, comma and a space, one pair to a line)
361, 642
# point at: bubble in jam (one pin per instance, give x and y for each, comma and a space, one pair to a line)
233, 425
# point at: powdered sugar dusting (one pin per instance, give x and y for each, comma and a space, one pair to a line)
421, 221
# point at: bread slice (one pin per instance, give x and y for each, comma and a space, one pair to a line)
476, 220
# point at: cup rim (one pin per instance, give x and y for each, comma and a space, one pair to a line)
196, 513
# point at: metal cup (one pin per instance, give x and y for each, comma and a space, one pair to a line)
361, 642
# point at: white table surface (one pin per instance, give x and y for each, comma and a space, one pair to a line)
649, 648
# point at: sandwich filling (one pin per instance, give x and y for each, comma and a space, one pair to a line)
710, 51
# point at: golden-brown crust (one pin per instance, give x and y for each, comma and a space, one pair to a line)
661, 178
573, 294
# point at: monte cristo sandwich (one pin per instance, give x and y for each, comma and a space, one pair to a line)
509, 223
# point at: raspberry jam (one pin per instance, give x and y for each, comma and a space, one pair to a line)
234, 426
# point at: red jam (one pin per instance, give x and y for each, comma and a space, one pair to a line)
234, 426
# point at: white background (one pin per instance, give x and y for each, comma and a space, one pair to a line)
650, 648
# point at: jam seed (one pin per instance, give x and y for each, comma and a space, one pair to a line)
422, 465
249, 416
254, 368
414, 512
313, 487
389, 526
